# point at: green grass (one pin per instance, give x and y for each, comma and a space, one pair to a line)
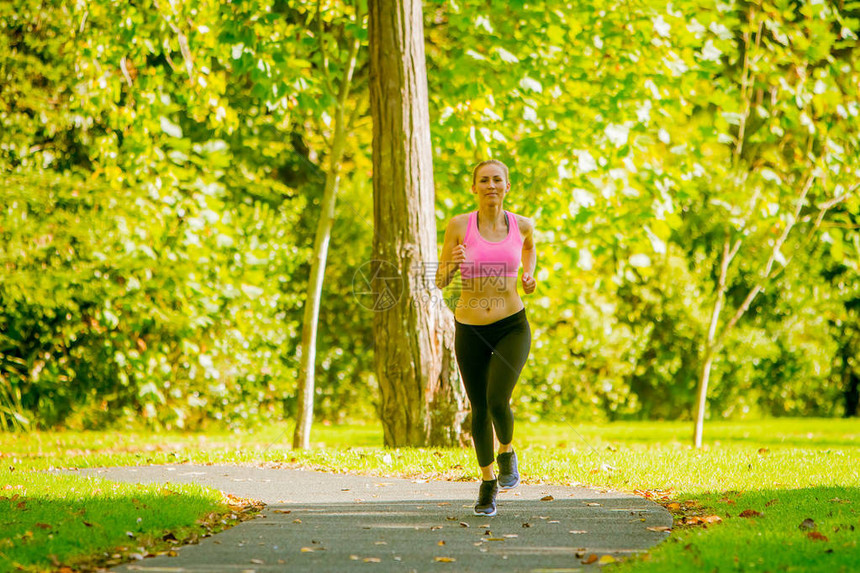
810, 467
52, 520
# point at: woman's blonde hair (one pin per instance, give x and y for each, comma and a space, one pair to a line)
489, 162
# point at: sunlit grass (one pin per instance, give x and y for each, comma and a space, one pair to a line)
51, 520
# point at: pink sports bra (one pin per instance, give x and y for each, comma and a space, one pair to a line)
488, 259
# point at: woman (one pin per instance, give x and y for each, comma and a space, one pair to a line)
492, 335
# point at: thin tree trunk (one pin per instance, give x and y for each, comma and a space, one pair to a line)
422, 399
306, 384
729, 253
715, 342
702, 397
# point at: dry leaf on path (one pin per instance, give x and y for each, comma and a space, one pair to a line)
589, 560
659, 528
444, 559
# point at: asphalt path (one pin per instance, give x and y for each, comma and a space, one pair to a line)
337, 523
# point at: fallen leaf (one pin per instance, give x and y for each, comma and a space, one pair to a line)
589, 560
806, 524
258, 562
606, 559
444, 559
700, 520
674, 506
763, 451
282, 511
435, 527
817, 536
441, 543
771, 502
297, 521
547, 498
593, 504
750, 513
43, 526
580, 554
307, 549
659, 528
511, 535
577, 531
372, 560
527, 524
464, 524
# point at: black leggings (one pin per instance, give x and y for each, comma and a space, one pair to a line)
491, 357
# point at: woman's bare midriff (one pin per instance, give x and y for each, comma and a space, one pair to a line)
484, 300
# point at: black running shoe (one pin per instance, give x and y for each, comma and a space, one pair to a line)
509, 475
486, 504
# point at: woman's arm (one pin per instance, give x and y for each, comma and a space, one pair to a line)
453, 253
529, 256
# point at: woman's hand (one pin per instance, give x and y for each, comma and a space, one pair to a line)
458, 255
529, 283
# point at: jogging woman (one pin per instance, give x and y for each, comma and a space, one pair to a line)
492, 335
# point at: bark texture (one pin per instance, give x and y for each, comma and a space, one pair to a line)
422, 398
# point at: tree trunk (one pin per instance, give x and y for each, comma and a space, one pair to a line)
422, 399
850, 381
305, 383
702, 398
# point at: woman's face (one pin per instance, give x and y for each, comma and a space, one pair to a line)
491, 184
